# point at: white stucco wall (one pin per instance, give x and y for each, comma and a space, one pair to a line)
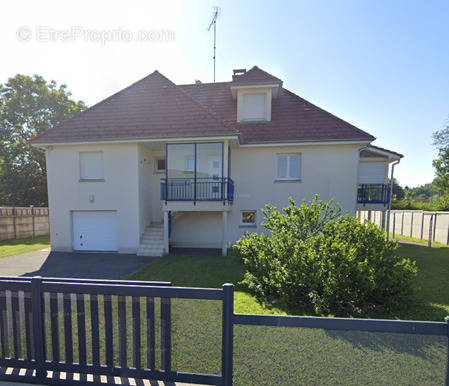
197, 229
330, 171
118, 192
155, 186
132, 188
145, 187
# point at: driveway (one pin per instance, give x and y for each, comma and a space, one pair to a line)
72, 264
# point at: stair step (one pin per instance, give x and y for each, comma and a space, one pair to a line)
150, 254
151, 246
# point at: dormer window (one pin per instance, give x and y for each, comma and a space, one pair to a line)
254, 107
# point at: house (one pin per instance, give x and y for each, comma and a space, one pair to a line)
161, 165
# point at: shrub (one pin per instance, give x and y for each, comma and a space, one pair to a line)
435, 204
314, 256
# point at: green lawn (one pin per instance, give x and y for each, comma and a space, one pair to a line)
18, 246
272, 355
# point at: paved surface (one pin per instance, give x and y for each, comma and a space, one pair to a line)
72, 264
413, 244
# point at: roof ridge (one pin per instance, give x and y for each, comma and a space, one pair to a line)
247, 76
203, 83
330, 114
265, 72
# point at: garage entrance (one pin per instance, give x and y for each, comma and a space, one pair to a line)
95, 231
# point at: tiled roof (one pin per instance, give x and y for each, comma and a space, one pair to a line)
155, 107
254, 76
386, 150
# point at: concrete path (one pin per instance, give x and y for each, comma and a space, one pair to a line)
72, 264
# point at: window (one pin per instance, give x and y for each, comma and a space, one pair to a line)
190, 164
160, 165
248, 218
288, 167
91, 165
254, 107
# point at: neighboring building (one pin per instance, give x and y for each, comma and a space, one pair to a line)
193, 165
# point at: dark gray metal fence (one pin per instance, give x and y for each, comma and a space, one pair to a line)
52, 329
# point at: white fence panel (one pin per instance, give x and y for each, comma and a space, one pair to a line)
413, 223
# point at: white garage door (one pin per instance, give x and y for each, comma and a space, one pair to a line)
94, 231
372, 172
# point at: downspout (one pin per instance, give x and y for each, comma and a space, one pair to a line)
357, 181
391, 197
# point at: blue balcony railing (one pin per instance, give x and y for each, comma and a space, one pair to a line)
373, 194
197, 189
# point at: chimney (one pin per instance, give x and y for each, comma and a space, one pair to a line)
238, 72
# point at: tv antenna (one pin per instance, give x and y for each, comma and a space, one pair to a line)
214, 23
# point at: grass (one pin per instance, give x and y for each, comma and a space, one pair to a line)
281, 355
19, 246
273, 355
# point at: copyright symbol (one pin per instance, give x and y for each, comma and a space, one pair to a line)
24, 34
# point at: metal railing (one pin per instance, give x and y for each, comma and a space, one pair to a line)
197, 189
50, 305
373, 194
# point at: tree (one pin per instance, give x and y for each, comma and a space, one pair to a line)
398, 190
441, 164
28, 106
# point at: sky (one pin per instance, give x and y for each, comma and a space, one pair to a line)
380, 65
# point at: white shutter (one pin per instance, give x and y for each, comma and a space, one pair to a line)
91, 165
254, 107
372, 172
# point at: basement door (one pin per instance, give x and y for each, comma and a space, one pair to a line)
95, 231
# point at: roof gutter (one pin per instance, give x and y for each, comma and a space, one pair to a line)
358, 172
135, 140
391, 197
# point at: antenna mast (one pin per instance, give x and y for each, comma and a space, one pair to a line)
214, 23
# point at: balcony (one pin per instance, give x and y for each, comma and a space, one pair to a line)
197, 189
373, 194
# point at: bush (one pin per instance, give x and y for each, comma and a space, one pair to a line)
314, 256
435, 204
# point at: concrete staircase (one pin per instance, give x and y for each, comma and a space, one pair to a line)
152, 241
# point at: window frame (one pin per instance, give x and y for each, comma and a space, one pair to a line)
248, 224
96, 179
188, 159
287, 171
156, 161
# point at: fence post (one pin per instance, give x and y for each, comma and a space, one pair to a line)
434, 226
166, 334
32, 219
228, 334
422, 225
36, 297
394, 224
14, 219
430, 231
402, 224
